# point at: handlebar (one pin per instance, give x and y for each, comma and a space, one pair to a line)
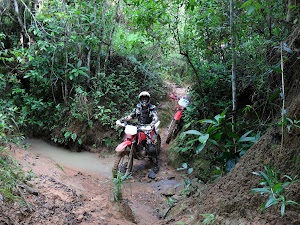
175, 97
139, 127
172, 96
183, 102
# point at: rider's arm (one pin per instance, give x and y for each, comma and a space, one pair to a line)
154, 118
130, 116
126, 118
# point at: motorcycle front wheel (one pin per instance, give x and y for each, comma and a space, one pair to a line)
123, 164
171, 130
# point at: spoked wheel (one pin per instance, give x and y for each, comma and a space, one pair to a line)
123, 164
171, 131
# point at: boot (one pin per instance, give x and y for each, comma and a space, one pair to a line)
153, 154
155, 169
151, 175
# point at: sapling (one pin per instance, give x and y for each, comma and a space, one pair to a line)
274, 188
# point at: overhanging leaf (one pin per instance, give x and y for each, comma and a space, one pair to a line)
190, 170
203, 139
207, 121
246, 4
200, 147
193, 132
245, 138
79, 63
213, 141
287, 49
251, 9
219, 118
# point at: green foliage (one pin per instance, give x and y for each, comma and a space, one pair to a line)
10, 123
86, 61
8, 180
65, 79
189, 185
288, 122
274, 188
60, 167
10, 174
118, 185
229, 145
209, 218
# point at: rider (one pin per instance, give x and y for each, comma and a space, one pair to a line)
146, 115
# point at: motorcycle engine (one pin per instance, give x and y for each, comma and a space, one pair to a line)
142, 153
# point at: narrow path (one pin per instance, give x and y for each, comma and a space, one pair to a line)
72, 195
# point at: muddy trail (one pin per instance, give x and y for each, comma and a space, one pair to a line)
76, 188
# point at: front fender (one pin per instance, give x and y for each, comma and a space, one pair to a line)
178, 115
123, 145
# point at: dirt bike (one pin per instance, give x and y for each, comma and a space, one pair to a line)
176, 122
134, 147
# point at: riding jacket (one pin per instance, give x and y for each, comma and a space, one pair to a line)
145, 116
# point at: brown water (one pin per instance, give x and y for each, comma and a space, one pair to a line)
84, 161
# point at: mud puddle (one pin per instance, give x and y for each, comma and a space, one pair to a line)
82, 161
148, 198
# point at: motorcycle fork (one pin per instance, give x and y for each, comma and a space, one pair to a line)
132, 153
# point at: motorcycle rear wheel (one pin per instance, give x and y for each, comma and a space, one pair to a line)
171, 131
123, 164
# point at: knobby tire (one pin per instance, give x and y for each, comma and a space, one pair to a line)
120, 162
171, 131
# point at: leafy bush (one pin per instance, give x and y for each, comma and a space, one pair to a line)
10, 174
227, 146
65, 79
274, 188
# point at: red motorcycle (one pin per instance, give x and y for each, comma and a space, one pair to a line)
176, 122
134, 146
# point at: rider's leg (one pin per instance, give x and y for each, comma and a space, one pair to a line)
153, 154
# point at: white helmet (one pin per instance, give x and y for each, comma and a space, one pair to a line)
144, 98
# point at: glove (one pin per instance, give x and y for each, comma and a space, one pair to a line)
118, 123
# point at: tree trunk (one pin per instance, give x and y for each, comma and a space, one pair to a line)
290, 13
185, 53
269, 20
101, 36
89, 59
93, 35
33, 6
283, 96
17, 13
110, 38
65, 95
233, 74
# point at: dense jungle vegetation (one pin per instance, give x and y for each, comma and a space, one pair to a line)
70, 69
